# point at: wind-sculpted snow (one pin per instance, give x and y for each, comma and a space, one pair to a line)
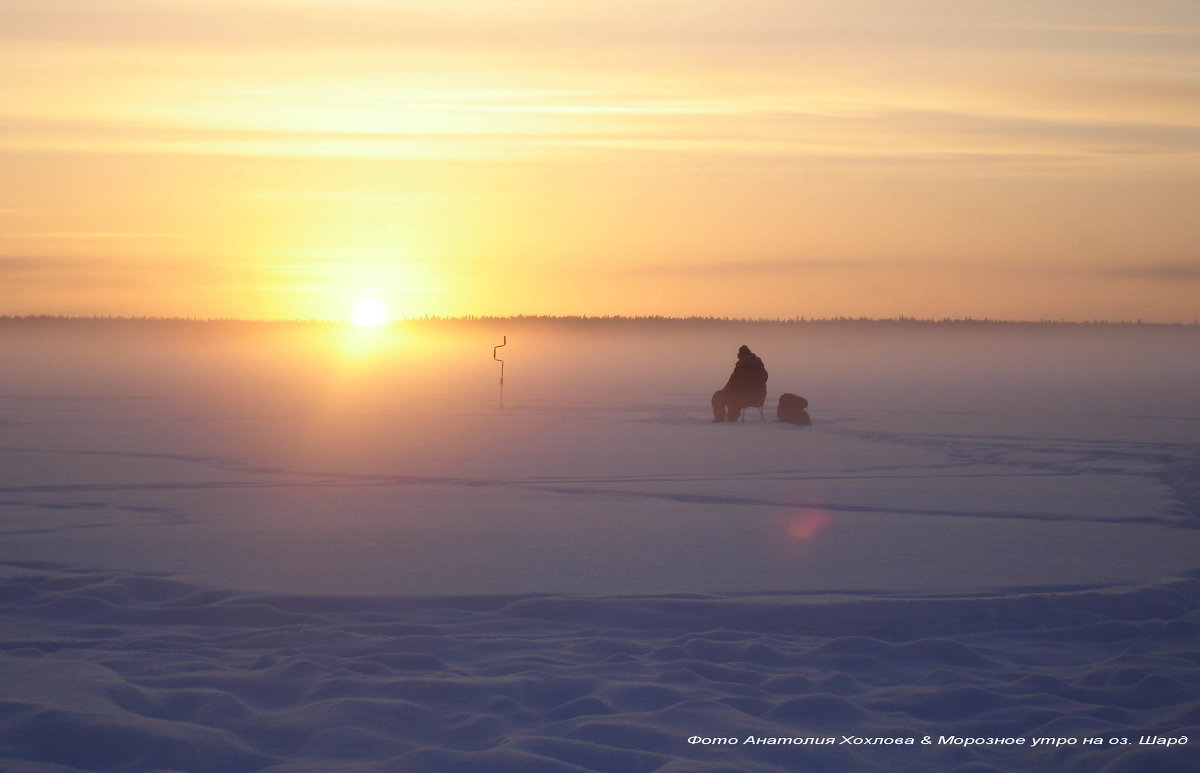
136, 672
256, 550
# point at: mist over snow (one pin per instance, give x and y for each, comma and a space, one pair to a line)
297, 547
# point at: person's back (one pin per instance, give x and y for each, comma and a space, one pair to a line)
747, 386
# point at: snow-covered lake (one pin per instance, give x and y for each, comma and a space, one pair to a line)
233, 547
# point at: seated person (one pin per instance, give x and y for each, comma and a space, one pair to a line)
747, 387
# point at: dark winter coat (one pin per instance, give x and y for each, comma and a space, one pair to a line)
749, 379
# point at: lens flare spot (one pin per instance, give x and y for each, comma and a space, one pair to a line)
807, 523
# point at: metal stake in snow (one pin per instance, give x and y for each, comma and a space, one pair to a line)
497, 359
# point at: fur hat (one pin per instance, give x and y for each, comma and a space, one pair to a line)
744, 351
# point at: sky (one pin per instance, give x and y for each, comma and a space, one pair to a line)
1006, 159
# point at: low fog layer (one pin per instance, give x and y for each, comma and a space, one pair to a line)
1126, 369
941, 457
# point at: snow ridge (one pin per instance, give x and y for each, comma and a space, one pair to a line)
137, 672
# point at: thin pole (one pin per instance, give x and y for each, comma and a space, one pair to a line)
497, 359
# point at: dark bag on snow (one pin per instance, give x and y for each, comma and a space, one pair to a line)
792, 409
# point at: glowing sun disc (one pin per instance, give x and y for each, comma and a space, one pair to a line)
369, 314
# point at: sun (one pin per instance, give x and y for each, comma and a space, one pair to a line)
369, 313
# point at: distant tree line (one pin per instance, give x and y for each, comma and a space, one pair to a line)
615, 321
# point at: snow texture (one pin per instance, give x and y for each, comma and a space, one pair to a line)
277, 549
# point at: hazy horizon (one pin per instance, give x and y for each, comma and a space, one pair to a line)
654, 319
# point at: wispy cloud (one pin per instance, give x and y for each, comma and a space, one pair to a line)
14, 265
781, 267
1168, 271
1171, 271
87, 235
883, 135
1141, 30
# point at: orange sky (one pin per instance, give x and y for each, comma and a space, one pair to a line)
1012, 159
